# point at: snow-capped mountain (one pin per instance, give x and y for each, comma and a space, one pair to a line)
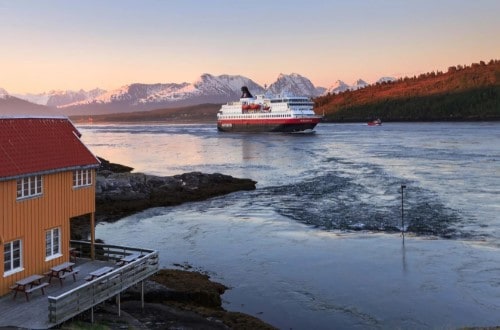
61, 98
226, 85
3, 93
338, 87
57, 98
341, 86
13, 106
294, 84
360, 83
139, 97
139, 94
206, 89
386, 80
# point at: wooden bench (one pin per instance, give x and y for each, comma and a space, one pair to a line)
73, 272
39, 286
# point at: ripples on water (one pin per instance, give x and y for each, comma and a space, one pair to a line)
345, 177
308, 248
331, 201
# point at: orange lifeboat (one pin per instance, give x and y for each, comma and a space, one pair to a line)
246, 106
255, 106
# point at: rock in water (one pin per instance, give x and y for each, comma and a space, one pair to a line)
122, 194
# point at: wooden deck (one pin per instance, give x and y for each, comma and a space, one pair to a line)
33, 314
74, 297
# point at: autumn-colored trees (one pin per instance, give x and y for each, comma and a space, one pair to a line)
462, 93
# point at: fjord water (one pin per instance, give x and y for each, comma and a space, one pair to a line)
317, 244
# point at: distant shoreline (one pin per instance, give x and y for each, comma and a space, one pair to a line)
416, 121
135, 122
194, 122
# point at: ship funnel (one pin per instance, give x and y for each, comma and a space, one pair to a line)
245, 93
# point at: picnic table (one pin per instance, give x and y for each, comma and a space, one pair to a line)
28, 285
62, 271
98, 273
129, 258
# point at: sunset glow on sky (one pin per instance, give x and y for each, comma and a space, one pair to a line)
68, 45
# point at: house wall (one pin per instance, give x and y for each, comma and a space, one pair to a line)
29, 219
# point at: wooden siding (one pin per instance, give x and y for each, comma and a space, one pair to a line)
28, 219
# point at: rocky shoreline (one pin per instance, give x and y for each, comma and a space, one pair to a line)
175, 298
119, 192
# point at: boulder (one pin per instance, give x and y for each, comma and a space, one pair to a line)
113, 167
124, 193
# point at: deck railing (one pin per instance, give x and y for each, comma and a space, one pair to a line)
84, 297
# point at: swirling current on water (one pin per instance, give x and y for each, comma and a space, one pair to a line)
314, 246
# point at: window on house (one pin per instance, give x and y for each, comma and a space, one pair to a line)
12, 256
52, 243
82, 178
29, 186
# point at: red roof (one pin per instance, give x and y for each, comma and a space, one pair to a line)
37, 145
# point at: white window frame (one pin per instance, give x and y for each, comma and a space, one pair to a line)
82, 178
8, 253
29, 186
53, 243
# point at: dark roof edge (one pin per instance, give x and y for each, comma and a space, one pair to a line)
34, 117
52, 171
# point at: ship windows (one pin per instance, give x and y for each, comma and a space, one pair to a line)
12, 257
30, 186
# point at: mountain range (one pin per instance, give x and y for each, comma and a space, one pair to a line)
142, 97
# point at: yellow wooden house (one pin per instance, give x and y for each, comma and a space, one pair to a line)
47, 177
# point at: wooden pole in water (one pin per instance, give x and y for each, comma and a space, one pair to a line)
118, 299
402, 212
142, 295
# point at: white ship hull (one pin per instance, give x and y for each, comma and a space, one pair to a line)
279, 114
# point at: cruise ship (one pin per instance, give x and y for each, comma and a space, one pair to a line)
261, 114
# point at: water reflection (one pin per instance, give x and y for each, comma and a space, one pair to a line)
280, 249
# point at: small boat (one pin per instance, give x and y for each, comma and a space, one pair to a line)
276, 114
376, 122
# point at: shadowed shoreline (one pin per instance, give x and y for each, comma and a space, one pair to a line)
120, 193
174, 298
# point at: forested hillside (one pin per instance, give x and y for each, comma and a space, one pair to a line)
193, 114
461, 93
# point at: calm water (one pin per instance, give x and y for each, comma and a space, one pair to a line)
317, 244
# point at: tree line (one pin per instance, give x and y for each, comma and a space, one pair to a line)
462, 93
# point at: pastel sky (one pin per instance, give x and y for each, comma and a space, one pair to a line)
70, 44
